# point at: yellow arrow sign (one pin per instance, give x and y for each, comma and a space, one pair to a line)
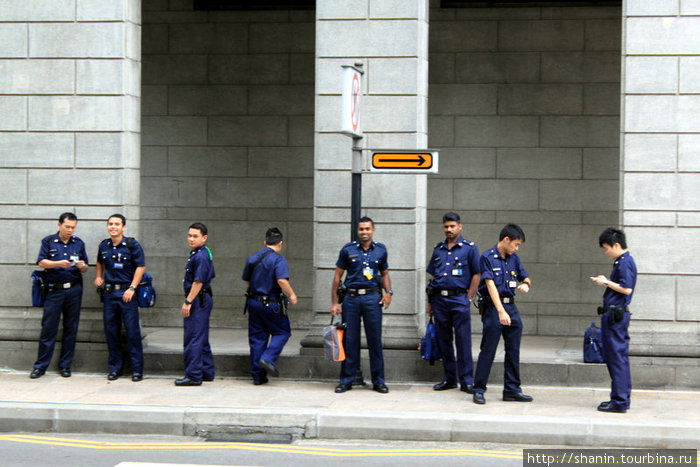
403, 161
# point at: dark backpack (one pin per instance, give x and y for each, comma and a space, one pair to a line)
592, 345
39, 286
146, 292
428, 345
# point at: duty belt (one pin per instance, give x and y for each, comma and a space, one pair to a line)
505, 299
603, 309
449, 292
266, 300
356, 292
204, 291
65, 285
117, 286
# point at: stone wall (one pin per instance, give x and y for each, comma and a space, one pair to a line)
661, 168
227, 125
525, 110
69, 123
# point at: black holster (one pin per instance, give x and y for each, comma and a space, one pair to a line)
616, 313
342, 291
204, 291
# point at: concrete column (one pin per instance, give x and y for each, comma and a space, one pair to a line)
69, 124
661, 168
390, 38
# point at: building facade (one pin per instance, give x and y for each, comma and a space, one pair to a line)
562, 118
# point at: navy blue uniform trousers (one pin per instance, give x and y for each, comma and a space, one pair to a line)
199, 361
493, 330
268, 332
64, 302
114, 312
452, 313
616, 350
367, 308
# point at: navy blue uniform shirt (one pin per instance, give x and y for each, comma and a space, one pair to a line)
264, 277
199, 267
363, 268
120, 261
52, 248
504, 272
453, 269
624, 273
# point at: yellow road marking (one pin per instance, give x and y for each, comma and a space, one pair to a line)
308, 450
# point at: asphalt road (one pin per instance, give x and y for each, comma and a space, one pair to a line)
59, 450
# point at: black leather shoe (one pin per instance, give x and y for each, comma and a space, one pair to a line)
609, 407
380, 388
65, 372
208, 379
270, 368
342, 388
468, 388
479, 398
187, 382
114, 375
37, 373
444, 386
517, 397
136, 377
259, 382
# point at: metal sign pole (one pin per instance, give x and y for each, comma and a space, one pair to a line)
356, 194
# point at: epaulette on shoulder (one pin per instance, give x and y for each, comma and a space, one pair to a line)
437, 244
349, 244
380, 245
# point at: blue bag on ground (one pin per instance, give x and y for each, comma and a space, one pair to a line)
38, 287
593, 345
428, 345
146, 292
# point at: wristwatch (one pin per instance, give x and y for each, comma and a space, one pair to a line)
187, 302
390, 292
131, 287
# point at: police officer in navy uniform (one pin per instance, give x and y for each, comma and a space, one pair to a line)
267, 275
199, 271
454, 278
120, 267
616, 317
367, 266
502, 274
63, 257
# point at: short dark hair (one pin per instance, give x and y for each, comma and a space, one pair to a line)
611, 236
512, 231
451, 217
273, 236
365, 219
67, 215
118, 216
199, 226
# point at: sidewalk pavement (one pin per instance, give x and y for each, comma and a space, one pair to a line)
284, 409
